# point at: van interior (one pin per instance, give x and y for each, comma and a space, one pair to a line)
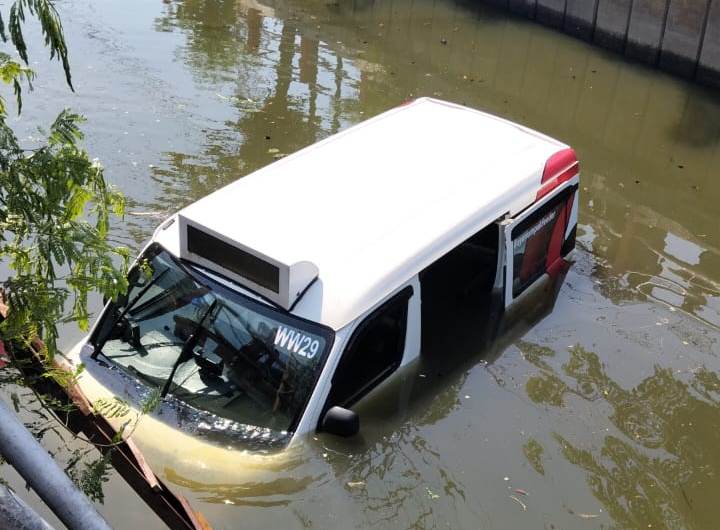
457, 292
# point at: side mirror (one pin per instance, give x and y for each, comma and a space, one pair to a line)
341, 422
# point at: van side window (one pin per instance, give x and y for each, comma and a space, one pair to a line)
537, 241
373, 352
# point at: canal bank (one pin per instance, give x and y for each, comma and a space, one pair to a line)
678, 36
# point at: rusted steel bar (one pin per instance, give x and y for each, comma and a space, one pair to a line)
45, 477
16, 514
174, 510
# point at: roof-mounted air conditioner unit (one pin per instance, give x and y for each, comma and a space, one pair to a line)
281, 283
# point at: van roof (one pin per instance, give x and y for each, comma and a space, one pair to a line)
377, 203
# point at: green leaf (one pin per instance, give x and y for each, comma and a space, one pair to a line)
51, 28
112, 408
151, 402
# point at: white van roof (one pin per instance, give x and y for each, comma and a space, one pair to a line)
375, 204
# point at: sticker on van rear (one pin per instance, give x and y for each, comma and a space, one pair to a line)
296, 342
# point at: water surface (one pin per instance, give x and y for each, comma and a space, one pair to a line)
600, 410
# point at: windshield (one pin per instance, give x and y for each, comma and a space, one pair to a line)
184, 332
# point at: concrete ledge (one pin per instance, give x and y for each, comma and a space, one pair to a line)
708, 70
524, 8
580, 18
647, 22
551, 12
680, 45
611, 24
680, 36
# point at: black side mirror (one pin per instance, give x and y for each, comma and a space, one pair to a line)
341, 422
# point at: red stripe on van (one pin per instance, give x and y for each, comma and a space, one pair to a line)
559, 168
558, 236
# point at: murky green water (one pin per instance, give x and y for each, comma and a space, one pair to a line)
604, 412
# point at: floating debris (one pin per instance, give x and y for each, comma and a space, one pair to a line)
356, 484
521, 503
151, 214
533, 451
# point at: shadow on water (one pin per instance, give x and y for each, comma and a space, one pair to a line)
698, 125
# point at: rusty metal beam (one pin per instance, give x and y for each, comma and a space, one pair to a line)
174, 510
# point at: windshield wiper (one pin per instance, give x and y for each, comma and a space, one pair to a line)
142, 293
127, 308
167, 301
186, 352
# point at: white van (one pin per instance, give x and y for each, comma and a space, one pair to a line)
267, 309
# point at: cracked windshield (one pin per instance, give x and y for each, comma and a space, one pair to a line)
573, 383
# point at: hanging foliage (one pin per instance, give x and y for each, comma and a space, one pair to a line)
55, 205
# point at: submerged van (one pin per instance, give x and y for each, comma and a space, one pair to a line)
268, 309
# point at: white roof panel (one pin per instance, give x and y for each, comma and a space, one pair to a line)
375, 204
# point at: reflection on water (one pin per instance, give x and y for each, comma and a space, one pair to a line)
266, 493
602, 413
660, 466
285, 89
290, 73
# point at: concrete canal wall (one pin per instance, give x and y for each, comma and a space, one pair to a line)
679, 36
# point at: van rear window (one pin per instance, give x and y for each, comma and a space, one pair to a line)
233, 259
531, 241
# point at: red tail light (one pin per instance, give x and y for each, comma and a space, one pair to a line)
559, 168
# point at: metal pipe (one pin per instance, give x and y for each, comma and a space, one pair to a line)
16, 514
43, 474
